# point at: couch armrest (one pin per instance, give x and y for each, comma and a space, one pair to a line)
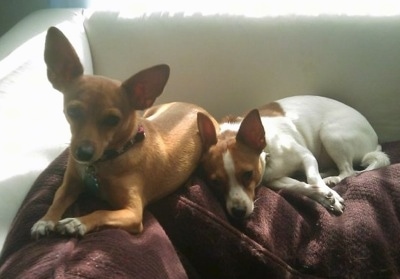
34, 26
32, 124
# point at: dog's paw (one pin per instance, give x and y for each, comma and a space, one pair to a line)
71, 226
332, 180
333, 202
42, 228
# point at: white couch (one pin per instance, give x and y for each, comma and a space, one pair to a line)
226, 63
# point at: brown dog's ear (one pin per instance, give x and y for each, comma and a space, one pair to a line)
207, 131
62, 62
251, 131
144, 87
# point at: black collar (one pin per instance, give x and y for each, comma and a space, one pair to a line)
90, 177
113, 153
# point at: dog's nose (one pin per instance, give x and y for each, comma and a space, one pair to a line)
238, 212
85, 152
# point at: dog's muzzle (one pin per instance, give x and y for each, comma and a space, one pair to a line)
85, 151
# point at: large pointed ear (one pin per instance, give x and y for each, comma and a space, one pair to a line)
251, 132
207, 131
62, 62
144, 87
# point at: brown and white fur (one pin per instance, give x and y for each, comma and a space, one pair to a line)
303, 133
102, 114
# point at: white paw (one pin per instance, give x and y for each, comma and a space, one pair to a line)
42, 228
71, 226
332, 180
333, 202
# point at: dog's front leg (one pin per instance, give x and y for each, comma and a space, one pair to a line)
320, 193
65, 195
128, 219
128, 215
63, 198
323, 193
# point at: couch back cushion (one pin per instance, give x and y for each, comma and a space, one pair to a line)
230, 64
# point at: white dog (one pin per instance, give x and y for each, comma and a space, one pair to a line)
310, 134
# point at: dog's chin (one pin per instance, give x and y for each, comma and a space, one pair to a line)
90, 160
85, 163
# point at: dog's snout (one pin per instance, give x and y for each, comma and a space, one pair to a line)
238, 212
238, 203
85, 151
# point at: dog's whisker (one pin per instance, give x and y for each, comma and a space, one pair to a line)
257, 199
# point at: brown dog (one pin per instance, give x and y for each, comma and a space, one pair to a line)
126, 159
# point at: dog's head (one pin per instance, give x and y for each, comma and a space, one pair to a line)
100, 111
234, 161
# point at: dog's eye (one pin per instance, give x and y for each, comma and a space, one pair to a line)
75, 113
111, 121
247, 175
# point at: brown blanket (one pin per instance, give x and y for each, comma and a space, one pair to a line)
288, 236
109, 253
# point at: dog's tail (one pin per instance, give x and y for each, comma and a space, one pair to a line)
375, 159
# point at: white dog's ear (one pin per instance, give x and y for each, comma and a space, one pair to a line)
207, 131
251, 131
144, 87
62, 62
